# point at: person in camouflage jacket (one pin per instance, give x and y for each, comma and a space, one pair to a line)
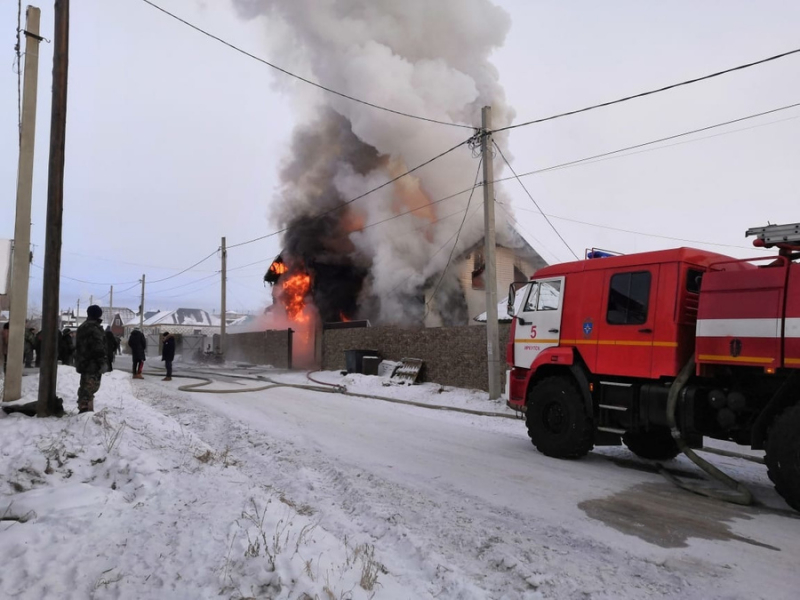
90, 357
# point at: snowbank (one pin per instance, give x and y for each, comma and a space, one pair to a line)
127, 503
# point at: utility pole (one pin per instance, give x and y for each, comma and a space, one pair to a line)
91, 299
141, 307
223, 310
12, 389
47, 404
490, 270
111, 305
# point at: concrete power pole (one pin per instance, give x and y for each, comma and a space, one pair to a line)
111, 305
12, 389
490, 269
222, 346
141, 307
47, 403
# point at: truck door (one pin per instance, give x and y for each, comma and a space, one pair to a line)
538, 320
627, 334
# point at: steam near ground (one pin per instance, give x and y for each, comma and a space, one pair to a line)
426, 58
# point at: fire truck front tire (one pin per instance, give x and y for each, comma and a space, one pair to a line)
783, 456
652, 445
558, 423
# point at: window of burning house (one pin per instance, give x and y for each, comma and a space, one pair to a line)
628, 298
478, 268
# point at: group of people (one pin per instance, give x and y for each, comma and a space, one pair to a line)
92, 355
92, 352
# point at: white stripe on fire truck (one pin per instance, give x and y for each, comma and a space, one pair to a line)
792, 328
743, 328
747, 328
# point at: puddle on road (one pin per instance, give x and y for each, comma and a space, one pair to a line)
662, 514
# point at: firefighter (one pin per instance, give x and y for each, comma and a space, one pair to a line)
90, 357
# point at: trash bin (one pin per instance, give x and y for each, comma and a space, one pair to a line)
353, 359
369, 365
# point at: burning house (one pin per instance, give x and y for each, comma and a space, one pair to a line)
355, 246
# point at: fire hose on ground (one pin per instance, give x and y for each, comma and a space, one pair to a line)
739, 494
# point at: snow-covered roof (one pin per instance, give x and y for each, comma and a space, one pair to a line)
182, 316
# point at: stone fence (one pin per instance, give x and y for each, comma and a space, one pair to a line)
454, 356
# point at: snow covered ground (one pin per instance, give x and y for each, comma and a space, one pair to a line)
294, 493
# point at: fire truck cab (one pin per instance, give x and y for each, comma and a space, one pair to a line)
596, 346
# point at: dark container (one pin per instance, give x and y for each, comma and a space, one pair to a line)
354, 359
370, 364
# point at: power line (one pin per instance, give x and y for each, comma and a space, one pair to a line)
643, 233
650, 143
534, 201
87, 282
458, 234
199, 262
367, 193
650, 92
214, 274
523, 230
303, 79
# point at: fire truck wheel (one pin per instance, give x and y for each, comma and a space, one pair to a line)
652, 445
783, 456
557, 420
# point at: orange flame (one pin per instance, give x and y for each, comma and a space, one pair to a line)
278, 268
295, 290
343, 318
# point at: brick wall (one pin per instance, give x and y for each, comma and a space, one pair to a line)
261, 348
454, 356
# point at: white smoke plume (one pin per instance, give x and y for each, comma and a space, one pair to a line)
424, 57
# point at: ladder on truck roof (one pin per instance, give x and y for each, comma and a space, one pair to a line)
776, 234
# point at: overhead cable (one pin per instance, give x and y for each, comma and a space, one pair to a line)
650, 92
303, 79
365, 194
650, 143
199, 262
458, 234
536, 204
88, 282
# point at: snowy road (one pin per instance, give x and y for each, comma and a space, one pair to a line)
460, 506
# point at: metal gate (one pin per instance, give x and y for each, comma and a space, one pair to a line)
188, 346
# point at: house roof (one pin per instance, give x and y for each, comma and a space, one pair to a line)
181, 316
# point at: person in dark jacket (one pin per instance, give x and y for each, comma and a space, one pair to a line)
30, 341
66, 347
90, 357
138, 345
112, 345
168, 353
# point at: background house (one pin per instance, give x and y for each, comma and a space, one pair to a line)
516, 261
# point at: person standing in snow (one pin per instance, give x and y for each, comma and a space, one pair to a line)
112, 345
30, 341
167, 353
90, 357
66, 347
138, 345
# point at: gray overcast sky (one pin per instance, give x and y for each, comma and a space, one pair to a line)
174, 140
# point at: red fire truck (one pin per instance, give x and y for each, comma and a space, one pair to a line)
599, 348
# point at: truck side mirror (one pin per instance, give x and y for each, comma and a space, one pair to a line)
512, 295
